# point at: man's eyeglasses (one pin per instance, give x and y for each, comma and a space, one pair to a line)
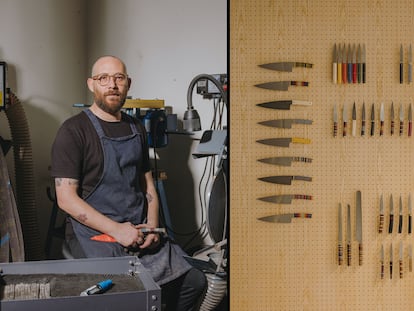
104, 79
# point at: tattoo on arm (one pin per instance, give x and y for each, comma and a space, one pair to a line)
149, 197
82, 218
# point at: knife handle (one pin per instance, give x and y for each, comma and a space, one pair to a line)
410, 265
390, 269
339, 73
364, 66
401, 73
354, 73
400, 222
340, 254
401, 269
335, 128
410, 72
348, 252
344, 73
353, 127
334, 72
363, 128
298, 140
391, 223
381, 223
372, 128
382, 269
401, 127
381, 128
302, 197
409, 128
392, 127
344, 129
360, 254
409, 224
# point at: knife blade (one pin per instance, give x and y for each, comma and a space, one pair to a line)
410, 65
284, 218
281, 85
364, 65
353, 120
358, 224
381, 215
283, 141
339, 65
410, 119
382, 261
334, 65
400, 217
348, 235
409, 213
285, 198
284, 104
340, 248
344, 120
401, 260
335, 121
285, 66
284, 179
401, 65
372, 119
284, 161
391, 261
284, 123
382, 118
391, 223
363, 120
401, 119
392, 118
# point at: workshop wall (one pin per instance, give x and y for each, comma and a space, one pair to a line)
294, 266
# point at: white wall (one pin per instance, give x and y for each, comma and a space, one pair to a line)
51, 44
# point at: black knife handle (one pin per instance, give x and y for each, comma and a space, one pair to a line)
409, 224
400, 222
391, 223
390, 269
372, 128
364, 66
348, 252
381, 223
401, 73
335, 129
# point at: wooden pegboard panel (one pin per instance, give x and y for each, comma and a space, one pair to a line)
294, 266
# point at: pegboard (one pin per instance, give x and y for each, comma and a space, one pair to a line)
295, 266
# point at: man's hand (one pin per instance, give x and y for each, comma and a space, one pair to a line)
127, 235
151, 240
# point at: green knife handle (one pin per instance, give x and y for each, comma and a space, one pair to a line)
348, 251
381, 223
340, 254
360, 254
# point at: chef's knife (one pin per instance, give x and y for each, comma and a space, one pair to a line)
284, 123
381, 215
334, 65
353, 120
391, 224
410, 119
410, 65
358, 224
344, 120
283, 141
281, 85
335, 120
284, 218
401, 65
340, 248
401, 119
392, 118
363, 120
382, 118
284, 161
284, 104
400, 217
348, 235
410, 209
285, 66
284, 180
401, 260
285, 198
391, 261
372, 119
382, 261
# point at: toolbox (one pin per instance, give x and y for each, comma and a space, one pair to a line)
58, 284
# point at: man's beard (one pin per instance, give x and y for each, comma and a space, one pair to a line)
112, 109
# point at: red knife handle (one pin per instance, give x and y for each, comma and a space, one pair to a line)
390, 269
381, 128
401, 127
382, 269
360, 254
354, 73
340, 254
392, 127
381, 223
348, 252
409, 128
344, 129
344, 72
401, 269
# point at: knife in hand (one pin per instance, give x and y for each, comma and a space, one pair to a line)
285, 198
400, 217
391, 223
284, 104
358, 224
381, 215
284, 218
284, 161
285, 66
340, 248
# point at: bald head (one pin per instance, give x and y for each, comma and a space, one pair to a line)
102, 63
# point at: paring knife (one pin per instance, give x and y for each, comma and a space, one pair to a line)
391, 223
285, 198
284, 141
284, 161
372, 119
381, 215
284, 180
410, 65
363, 120
364, 65
285, 66
340, 248
335, 120
382, 118
334, 65
410, 258
392, 116
401, 119
382, 261
391, 261
284, 104
281, 85
284, 218
401, 260
410, 209
353, 120
348, 235
401, 65
344, 120
285, 123
358, 224
400, 217
410, 119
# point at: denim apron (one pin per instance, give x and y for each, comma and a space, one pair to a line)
118, 196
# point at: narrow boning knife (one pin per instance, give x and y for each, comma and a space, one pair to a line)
400, 217
382, 261
284, 123
401, 119
381, 215
283, 141
284, 180
353, 120
392, 118
284, 218
340, 248
284, 104
363, 120
284, 161
410, 119
410, 65
382, 118
372, 119
409, 213
401, 260
285, 198
281, 85
348, 236
358, 224
391, 261
344, 120
335, 120
285, 66
401, 65
391, 224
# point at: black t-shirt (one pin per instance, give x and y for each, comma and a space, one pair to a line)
77, 151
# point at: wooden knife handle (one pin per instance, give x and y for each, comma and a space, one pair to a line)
348, 252
381, 223
340, 254
401, 269
335, 129
360, 254
392, 127
381, 128
344, 129
401, 127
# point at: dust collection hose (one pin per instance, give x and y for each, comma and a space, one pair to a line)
217, 288
24, 177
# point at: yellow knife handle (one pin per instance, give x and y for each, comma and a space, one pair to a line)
301, 140
360, 254
348, 251
401, 269
340, 254
381, 223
